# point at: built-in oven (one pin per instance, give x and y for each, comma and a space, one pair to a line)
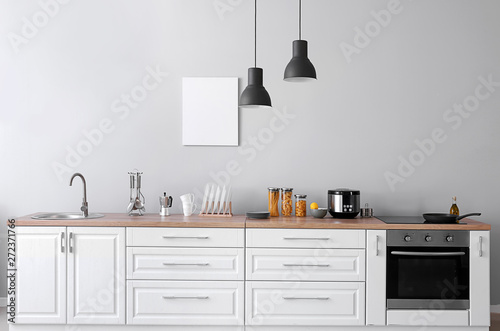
427, 269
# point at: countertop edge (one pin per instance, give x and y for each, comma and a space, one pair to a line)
241, 221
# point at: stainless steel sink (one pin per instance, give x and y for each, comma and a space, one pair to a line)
65, 216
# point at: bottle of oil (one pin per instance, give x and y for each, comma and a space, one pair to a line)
454, 207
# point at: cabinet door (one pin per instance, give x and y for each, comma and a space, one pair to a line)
479, 278
376, 257
96, 275
41, 275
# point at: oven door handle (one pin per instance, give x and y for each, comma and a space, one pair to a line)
427, 253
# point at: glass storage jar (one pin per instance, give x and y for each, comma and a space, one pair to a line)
300, 205
286, 201
274, 199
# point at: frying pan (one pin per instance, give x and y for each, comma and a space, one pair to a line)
446, 218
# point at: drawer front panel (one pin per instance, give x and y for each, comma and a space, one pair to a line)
185, 237
426, 318
306, 238
306, 264
313, 304
184, 303
185, 263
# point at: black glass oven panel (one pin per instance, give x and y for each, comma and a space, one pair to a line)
422, 277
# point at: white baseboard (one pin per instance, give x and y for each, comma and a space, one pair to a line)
3, 302
495, 309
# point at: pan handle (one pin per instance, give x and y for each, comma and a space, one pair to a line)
466, 215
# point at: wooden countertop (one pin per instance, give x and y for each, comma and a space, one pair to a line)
240, 221
148, 220
371, 223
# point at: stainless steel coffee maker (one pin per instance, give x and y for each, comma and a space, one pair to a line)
165, 204
137, 200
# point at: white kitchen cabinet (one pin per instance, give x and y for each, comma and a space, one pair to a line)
376, 259
185, 303
72, 275
41, 275
185, 263
185, 276
479, 278
305, 264
305, 303
96, 275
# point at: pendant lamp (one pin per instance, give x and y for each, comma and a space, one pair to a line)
255, 94
300, 69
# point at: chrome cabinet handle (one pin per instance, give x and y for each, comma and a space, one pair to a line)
199, 297
480, 246
71, 242
306, 298
178, 237
304, 265
198, 264
427, 253
62, 242
376, 246
300, 238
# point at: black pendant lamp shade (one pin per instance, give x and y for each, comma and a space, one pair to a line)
300, 68
255, 94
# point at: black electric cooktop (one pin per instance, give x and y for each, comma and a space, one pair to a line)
406, 220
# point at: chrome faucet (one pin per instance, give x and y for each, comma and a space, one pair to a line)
85, 205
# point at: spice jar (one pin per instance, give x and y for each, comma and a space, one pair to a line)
286, 201
274, 198
300, 205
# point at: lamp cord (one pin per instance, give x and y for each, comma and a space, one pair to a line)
300, 19
255, 34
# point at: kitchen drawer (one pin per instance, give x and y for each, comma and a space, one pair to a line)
305, 264
185, 237
428, 317
306, 238
185, 263
185, 303
312, 304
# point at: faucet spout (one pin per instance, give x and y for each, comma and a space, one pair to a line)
85, 207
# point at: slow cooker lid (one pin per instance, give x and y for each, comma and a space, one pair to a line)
343, 191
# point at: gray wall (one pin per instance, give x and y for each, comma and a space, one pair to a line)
377, 99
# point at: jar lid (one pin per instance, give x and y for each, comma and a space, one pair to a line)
300, 196
287, 189
273, 189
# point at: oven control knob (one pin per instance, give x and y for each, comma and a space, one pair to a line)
449, 238
407, 238
428, 238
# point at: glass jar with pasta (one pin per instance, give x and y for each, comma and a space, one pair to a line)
286, 201
274, 199
300, 205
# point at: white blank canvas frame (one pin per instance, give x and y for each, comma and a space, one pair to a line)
210, 111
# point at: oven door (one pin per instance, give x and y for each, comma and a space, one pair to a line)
428, 278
